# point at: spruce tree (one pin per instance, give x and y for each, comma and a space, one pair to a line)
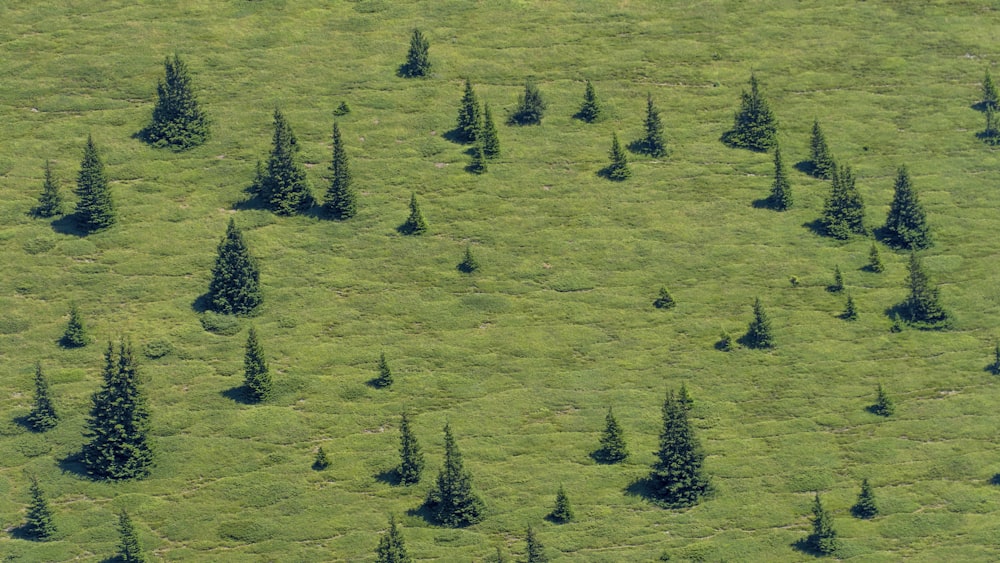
469, 115
341, 200
995, 366
469, 263
322, 461
906, 226
922, 305
618, 170
653, 143
850, 311
391, 547
118, 445
256, 375
95, 209
591, 109
38, 525
342, 109
418, 62
991, 134
43, 414
754, 126
562, 512
819, 154
452, 502
285, 189
75, 334
613, 447
530, 107
875, 260
883, 403
487, 135
384, 377
865, 507
824, 538
781, 190
178, 120
838, 281
990, 98
411, 459
664, 300
414, 224
50, 201
844, 210
129, 548
758, 333
478, 163
677, 477
235, 285
536, 551
684, 398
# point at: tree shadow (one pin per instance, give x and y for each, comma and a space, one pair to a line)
389, 477
638, 146
423, 511
729, 139
22, 532
642, 488
806, 167
455, 136
606, 174
251, 201
601, 456
764, 203
202, 303
376, 383
68, 225
74, 464
816, 226
978, 106
992, 368
991, 138
807, 545
239, 394
995, 480
24, 421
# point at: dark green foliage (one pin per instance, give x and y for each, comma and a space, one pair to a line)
754, 126
391, 547
75, 334
487, 135
322, 461
469, 263
43, 414
844, 210
411, 459
341, 200
875, 260
758, 333
618, 170
591, 110
664, 300
883, 403
725, 342
178, 120
256, 375
653, 143
677, 477
995, 366
923, 304
342, 109
819, 154
284, 187
824, 538
50, 201
95, 210
235, 285
850, 311
906, 225
991, 134
418, 62
990, 98
838, 281
781, 190
562, 512
414, 224
129, 548
452, 502
118, 445
613, 447
469, 116
38, 525
684, 398
530, 107
865, 507
384, 377
256, 188
536, 551
478, 163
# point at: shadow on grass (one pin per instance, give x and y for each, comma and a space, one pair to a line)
992, 368
423, 511
239, 394
765, 203
455, 136
900, 314
601, 456
376, 383
806, 167
729, 139
978, 106
643, 488
22, 532
816, 227
995, 480
807, 545
68, 225
389, 477
202, 303
25, 422
73, 464
606, 174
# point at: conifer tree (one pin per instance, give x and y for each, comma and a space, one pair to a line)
178, 120
530, 108
322, 461
613, 447
664, 300
50, 201
452, 502
418, 62
591, 109
562, 512
865, 507
414, 224
824, 537
38, 525
487, 135
235, 285
43, 414
411, 459
95, 209
781, 190
922, 305
285, 188
342, 109
118, 445
883, 403
536, 551
838, 281
256, 375
990, 98
991, 134
850, 311
391, 547
478, 163
758, 333
844, 210
875, 260
341, 200
469, 263
677, 477
469, 115
906, 225
129, 548
384, 377
75, 334
754, 126
684, 398
618, 170
995, 366
653, 143
819, 154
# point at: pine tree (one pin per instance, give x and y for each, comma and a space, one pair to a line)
754, 127
758, 333
452, 502
285, 188
469, 115
883, 403
562, 512
677, 477
391, 547
819, 154
384, 377
536, 551
653, 143
664, 300
322, 461
991, 134
824, 537
50, 201
618, 170
865, 507
781, 190
411, 459
684, 398
95, 210
906, 225
256, 375
342, 109
38, 525
178, 120
415, 224
591, 109
990, 98
478, 163
613, 447
418, 62
235, 285
838, 281
129, 550
844, 210
875, 260
75, 334
469, 263
530, 107
118, 445
922, 305
487, 135
341, 200
850, 311
43, 414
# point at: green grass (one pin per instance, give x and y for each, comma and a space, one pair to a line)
524, 356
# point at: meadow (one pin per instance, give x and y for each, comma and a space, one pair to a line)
524, 356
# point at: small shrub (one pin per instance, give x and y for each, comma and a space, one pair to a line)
157, 348
217, 323
322, 461
665, 300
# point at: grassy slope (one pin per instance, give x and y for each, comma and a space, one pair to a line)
523, 357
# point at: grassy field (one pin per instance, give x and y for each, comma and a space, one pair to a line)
524, 356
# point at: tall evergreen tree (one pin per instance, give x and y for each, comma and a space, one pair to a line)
923, 304
391, 547
452, 502
875, 260
95, 209
75, 334
884, 405
536, 551
478, 163
781, 190
178, 120
684, 398
824, 537
38, 525
562, 512
418, 62
677, 476
990, 98
844, 210
754, 126
384, 377
653, 143
50, 201
285, 188
618, 170
838, 281
613, 447
43, 414
991, 134
469, 115
414, 224
256, 375
530, 108
129, 548
865, 507
591, 109
487, 136
118, 445
341, 200
850, 310
758, 333
235, 285
906, 225
819, 154
411, 459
